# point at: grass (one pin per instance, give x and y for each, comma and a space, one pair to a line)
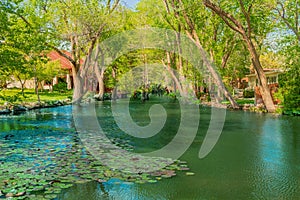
15, 95
241, 101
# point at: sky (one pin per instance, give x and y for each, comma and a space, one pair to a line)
130, 3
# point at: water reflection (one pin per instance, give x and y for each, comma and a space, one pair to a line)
276, 167
257, 157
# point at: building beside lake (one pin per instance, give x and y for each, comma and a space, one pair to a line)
66, 67
64, 77
272, 76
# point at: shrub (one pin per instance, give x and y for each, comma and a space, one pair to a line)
62, 86
248, 93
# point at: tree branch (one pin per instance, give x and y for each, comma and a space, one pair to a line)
228, 19
287, 23
246, 14
113, 7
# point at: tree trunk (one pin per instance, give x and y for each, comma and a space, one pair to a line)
175, 79
100, 77
22, 89
114, 92
22, 86
182, 79
217, 78
238, 27
99, 69
78, 87
191, 32
262, 80
36, 84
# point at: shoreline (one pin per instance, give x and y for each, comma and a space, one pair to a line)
15, 109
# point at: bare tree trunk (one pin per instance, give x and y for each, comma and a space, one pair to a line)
22, 89
99, 71
78, 86
182, 79
100, 78
114, 92
262, 80
22, 85
175, 79
36, 86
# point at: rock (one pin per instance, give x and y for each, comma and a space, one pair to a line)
67, 101
98, 98
5, 112
58, 103
7, 104
18, 109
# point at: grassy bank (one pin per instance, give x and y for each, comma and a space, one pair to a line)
241, 101
15, 96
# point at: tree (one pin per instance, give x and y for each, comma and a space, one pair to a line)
187, 22
287, 12
20, 46
75, 25
242, 23
81, 24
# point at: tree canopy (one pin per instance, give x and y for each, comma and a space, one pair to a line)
238, 36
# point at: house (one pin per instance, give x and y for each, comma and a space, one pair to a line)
272, 79
66, 76
65, 66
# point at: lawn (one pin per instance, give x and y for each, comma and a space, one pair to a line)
242, 101
15, 95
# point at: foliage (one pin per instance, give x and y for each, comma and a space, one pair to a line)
60, 87
31, 28
287, 13
289, 91
248, 93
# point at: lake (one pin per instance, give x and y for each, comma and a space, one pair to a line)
257, 155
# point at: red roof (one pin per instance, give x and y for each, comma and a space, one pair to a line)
64, 62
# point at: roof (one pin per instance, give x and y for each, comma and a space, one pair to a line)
268, 72
64, 62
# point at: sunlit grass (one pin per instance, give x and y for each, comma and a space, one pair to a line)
241, 101
15, 95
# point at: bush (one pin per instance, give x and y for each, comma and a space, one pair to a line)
62, 86
248, 93
12, 98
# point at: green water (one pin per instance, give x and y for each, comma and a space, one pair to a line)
256, 157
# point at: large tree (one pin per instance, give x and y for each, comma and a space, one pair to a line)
240, 18
287, 13
69, 26
20, 45
192, 21
80, 24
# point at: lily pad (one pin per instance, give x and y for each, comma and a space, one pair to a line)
189, 173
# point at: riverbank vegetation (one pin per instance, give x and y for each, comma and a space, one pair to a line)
240, 38
15, 96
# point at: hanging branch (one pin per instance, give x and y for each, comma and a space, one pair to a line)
282, 15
